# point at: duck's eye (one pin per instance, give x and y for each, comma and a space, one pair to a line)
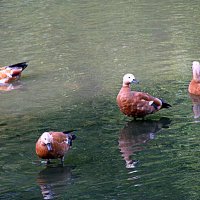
129, 77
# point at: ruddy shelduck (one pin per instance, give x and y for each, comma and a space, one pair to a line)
137, 104
12, 72
194, 86
53, 145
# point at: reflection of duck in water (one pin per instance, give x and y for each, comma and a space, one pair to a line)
196, 105
136, 133
52, 179
10, 86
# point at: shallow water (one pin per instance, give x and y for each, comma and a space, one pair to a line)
78, 52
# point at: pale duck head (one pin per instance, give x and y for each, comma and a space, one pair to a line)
196, 70
128, 79
47, 139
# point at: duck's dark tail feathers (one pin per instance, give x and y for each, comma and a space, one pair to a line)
73, 136
22, 65
164, 104
66, 132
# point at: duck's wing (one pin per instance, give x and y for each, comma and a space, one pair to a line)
148, 100
157, 103
143, 96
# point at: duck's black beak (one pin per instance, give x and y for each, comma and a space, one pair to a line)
49, 147
134, 81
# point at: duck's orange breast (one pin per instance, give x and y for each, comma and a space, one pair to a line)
59, 147
42, 151
135, 104
194, 87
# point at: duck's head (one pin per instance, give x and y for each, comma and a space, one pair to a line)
196, 70
128, 79
47, 139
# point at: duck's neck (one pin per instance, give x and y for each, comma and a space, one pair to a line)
125, 85
196, 76
126, 88
196, 79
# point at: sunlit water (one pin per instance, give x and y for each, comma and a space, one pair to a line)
78, 52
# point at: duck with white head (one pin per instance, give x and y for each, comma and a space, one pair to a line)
53, 145
137, 104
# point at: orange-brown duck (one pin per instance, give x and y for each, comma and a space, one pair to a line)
12, 72
53, 145
194, 86
137, 104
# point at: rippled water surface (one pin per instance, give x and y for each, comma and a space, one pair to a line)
78, 52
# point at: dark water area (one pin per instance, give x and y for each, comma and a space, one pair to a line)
78, 52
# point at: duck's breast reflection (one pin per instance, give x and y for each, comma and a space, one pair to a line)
53, 178
195, 105
135, 134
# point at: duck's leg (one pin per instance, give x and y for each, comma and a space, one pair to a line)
48, 161
62, 160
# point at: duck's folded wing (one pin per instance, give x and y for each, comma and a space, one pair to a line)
152, 101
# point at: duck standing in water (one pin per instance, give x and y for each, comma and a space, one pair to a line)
137, 104
12, 72
53, 145
194, 86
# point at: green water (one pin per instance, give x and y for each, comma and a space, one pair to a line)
78, 52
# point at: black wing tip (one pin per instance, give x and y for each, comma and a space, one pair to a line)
69, 131
165, 105
22, 65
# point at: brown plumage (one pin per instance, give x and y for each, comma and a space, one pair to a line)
12, 72
194, 86
137, 104
52, 145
